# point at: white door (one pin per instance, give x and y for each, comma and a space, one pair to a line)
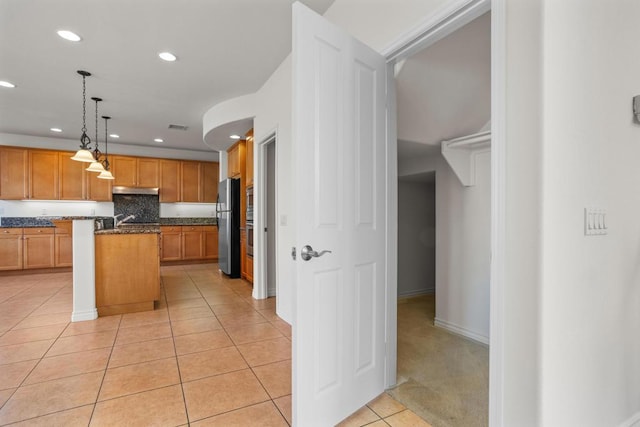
339, 143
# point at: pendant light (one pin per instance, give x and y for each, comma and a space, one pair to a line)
96, 166
84, 153
106, 173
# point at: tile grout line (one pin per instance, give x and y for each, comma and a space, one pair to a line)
93, 410
173, 339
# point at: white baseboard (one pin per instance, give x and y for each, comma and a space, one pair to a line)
634, 421
417, 293
80, 316
271, 292
459, 330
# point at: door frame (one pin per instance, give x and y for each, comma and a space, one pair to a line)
260, 290
452, 16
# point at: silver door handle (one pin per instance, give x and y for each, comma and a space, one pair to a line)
307, 253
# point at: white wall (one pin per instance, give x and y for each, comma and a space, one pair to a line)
416, 237
590, 152
273, 114
463, 250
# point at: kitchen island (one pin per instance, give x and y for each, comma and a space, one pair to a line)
127, 269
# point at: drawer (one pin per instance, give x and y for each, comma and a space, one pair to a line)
10, 231
191, 228
63, 227
39, 230
170, 228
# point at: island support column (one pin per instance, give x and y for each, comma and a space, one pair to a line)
84, 276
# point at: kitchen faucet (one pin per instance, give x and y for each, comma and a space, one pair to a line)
118, 223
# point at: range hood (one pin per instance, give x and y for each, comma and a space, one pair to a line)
134, 190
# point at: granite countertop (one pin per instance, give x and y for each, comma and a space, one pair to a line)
41, 221
188, 221
148, 229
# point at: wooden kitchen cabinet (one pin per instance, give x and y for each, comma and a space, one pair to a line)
148, 173
210, 241
13, 173
210, 178
188, 242
11, 248
171, 243
236, 159
136, 171
63, 243
170, 181
43, 175
192, 242
39, 248
72, 178
249, 269
126, 290
191, 188
125, 171
243, 253
99, 190
249, 159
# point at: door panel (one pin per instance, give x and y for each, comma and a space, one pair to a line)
340, 152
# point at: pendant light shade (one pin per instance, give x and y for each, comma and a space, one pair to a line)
84, 153
95, 167
106, 173
83, 156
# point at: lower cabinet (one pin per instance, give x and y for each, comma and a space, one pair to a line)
127, 290
39, 248
63, 254
31, 248
171, 243
188, 242
11, 248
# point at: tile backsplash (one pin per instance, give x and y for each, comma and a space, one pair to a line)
146, 207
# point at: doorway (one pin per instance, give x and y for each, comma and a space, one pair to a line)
266, 220
443, 93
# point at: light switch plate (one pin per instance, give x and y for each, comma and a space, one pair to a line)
595, 221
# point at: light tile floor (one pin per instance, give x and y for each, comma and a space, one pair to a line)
209, 355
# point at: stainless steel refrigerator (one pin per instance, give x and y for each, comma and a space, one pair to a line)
228, 220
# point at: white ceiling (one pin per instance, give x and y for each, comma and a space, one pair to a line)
444, 91
225, 48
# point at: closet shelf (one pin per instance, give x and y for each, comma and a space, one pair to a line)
461, 154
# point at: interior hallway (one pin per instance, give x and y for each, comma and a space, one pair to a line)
208, 355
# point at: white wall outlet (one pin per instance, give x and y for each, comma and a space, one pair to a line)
92, 212
44, 212
283, 220
595, 222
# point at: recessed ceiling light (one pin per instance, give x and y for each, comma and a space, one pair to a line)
167, 56
69, 35
113, 135
234, 136
55, 130
4, 83
158, 140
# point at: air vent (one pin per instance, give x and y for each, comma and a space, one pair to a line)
178, 127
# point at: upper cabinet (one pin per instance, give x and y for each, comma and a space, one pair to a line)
191, 182
136, 171
43, 175
249, 149
210, 177
170, 181
73, 178
236, 159
13, 173
52, 175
